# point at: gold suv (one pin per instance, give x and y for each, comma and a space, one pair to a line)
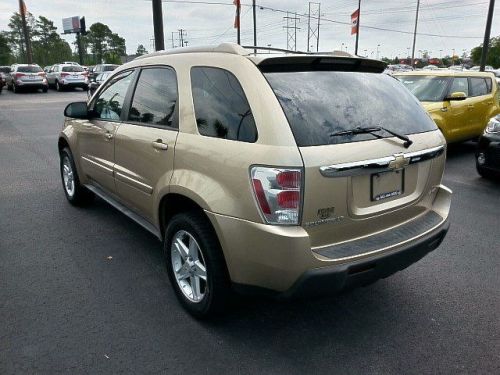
460, 103
292, 174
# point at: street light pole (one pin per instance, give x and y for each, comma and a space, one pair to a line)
487, 32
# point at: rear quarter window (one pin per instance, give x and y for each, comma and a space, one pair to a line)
478, 86
221, 107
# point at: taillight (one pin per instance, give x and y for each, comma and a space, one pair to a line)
19, 75
278, 194
63, 74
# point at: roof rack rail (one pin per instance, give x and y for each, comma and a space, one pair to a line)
277, 50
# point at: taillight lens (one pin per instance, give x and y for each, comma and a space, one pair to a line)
278, 194
19, 75
63, 74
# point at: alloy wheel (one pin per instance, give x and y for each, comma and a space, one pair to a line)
68, 177
189, 266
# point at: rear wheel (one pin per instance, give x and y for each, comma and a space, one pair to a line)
77, 194
195, 264
45, 89
15, 89
58, 86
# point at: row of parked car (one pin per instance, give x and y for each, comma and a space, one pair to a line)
61, 76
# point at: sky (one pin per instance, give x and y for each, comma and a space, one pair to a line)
454, 24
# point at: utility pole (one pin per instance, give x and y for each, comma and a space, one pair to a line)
291, 31
237, 20
158, 25
313, 28
27, 41
486, 42
254, 25
357, 28
415, 36
79, 44
182, 34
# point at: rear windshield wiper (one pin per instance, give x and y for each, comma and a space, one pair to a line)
372, 130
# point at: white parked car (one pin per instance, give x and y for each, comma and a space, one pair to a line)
62, 76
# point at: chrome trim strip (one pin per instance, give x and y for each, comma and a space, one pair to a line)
134, 183
124, 210
378, 165
100, 166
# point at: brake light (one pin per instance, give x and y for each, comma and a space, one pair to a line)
64, 74
19, 75
41, 74
278, 194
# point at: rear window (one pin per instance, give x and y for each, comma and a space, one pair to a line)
318, 104
29, 69
72, 68
109, 68
4, 69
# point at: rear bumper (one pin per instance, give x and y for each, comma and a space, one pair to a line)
280, 260
330, 280
73, 83
489, 148
28, 84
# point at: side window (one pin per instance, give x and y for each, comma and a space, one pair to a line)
220, 105
109, 104
155, 97
478, 86
460, 85
488, 84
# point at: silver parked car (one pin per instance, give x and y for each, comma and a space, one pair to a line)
62, 76
26, 76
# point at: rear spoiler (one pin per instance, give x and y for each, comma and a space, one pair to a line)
305, 63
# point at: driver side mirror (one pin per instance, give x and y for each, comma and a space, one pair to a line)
459, 95
77, 110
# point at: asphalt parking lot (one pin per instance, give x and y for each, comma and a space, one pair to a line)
85, 291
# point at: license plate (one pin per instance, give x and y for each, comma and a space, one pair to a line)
387, 185
32, 77
77, 77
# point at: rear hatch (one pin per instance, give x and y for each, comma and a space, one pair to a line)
73, 73
356, 184
30, 74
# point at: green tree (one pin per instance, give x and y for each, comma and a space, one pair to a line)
6, 57
493, 57
16, 35
141, 50
106, 46
48, 47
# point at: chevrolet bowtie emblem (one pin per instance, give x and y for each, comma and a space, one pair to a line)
399, 162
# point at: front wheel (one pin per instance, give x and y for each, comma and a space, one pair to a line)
15, 89
77, 194
195, 264
58, 86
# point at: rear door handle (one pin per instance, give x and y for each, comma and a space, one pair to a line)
108, 136
159, 145
471, 106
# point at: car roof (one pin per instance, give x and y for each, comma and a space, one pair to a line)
275, 58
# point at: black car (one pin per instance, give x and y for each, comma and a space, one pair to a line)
94, 85
488, 150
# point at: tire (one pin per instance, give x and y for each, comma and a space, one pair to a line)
484, 173
9, 88
15, 90
58, 86
185, 267
76, 193
45, 89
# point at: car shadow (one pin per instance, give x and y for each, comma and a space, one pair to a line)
455, 150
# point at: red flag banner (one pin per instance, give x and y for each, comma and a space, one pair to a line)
24, 10
354, 22
237, 15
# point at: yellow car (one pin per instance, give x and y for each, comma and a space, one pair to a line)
460, 103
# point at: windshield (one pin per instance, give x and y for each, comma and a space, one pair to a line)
320, 103
29, 69
72, 68
426, 88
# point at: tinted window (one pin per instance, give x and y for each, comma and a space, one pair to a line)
221, 108
72, 68
110, 102
319, 103
460, 85
109, 68
5, 69
478, 86
29, 69
426, 88
155, 97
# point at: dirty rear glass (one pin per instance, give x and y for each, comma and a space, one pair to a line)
319, 103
